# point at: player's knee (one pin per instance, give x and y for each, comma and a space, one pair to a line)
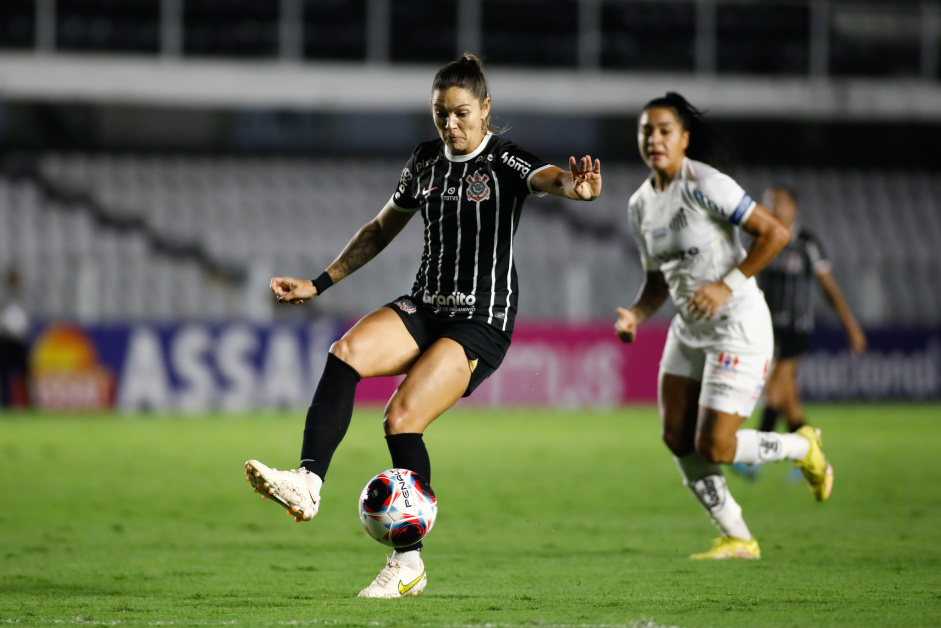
344, 349
397, 419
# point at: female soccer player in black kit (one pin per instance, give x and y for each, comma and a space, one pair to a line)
788, 283
452, 330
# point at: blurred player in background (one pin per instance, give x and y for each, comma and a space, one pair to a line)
453, 329
687, 217
14, 344
788, 283
789, 286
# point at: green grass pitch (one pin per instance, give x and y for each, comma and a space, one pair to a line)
547, 518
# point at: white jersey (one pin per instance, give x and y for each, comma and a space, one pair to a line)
690, 232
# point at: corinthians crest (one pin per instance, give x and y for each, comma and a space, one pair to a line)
477, 188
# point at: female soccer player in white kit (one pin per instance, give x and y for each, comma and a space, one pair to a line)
687, 218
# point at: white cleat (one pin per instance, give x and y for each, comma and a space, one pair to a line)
397, 580
288, 488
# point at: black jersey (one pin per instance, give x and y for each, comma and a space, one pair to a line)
471, 207
789, 282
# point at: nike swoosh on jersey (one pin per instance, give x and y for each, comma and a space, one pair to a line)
427, 191
405, 588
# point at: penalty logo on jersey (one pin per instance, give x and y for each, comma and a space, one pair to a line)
477, 188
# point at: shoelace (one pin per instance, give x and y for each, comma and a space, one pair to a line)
385, 576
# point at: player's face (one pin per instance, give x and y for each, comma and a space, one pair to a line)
459, 117
662, 140
781, 206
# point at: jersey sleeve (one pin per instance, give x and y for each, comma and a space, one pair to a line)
649, 263
405, 198
719, 194
520, 165
815, 252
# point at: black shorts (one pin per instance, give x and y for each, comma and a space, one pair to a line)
482, 342
789, 343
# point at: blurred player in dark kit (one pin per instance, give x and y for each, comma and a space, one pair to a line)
789, 282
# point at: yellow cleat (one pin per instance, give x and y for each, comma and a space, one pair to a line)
730, 547
816, 468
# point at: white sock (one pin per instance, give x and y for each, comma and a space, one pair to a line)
756, 447
412, 558
705, 481
314, 483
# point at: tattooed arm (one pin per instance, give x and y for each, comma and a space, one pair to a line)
365, 245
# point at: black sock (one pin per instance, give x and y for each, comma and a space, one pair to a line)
409, 452
768, 418
329, 415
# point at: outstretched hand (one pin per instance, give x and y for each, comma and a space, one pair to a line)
291, 290
586, 177
626, 325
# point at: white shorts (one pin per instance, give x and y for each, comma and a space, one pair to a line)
732, 364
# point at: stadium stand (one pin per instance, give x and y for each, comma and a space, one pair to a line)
200, 236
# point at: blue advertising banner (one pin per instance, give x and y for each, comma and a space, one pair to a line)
899, 364
185, 367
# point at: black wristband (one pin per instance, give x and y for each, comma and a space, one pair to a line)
323, 282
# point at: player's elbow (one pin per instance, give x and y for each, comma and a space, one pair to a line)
780, 236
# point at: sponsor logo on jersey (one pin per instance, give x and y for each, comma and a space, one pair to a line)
516, 163
477, 188
455, 299
683, 254
427, 162
727, 365
406, 305
679, 221
483, 158
404, 179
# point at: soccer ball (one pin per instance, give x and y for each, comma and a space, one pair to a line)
398, 508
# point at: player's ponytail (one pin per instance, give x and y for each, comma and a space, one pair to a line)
466, 73
705, 143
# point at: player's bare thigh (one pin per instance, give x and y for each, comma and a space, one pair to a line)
378, 345
435, 382
678, 398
